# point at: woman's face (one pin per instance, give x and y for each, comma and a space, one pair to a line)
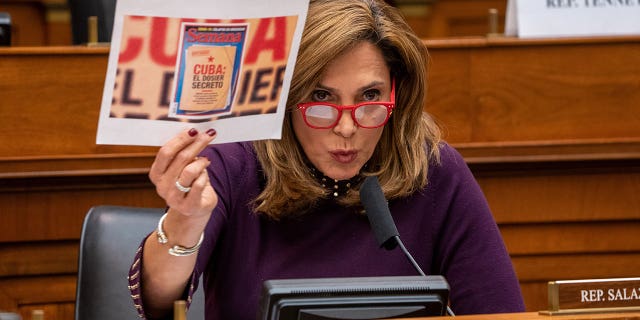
358, 75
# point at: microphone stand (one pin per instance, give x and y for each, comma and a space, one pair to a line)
416, 266
379, 216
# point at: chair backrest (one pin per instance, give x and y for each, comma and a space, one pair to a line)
5, 29
81, 10
110, 237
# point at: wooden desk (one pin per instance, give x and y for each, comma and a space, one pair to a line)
536, 316
551, 129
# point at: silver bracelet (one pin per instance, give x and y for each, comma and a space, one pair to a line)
176, 250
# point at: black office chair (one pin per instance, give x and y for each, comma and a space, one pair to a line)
110, 237
81, 10
5, 29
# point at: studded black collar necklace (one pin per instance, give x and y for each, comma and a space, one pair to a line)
335, 188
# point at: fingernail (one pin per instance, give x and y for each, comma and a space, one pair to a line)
192, 132
211, 132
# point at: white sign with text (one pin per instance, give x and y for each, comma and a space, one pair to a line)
572, 18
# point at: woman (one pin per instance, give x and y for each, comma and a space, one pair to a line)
243, 213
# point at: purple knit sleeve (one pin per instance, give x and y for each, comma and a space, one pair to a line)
135, 283
228, 163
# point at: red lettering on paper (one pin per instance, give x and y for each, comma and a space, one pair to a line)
208, 69
133, 46
276, 44
195, 36
158, 43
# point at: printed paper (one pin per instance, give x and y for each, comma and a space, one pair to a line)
211, 64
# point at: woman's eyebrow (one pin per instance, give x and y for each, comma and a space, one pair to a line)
370, 85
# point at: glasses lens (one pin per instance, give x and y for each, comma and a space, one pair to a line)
371, 115
321, 115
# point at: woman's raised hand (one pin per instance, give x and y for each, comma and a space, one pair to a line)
181, 177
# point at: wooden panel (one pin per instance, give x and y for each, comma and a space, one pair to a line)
39, 276
545, 100
75, 165
69, 82
536, 91
576, 266
550, 153
532, 292
587, 194
6, 303
55, 208
568, 238
38, 290
25, 259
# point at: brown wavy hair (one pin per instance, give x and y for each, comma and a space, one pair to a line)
409, 140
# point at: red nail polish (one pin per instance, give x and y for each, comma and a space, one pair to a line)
211, 132
192, 132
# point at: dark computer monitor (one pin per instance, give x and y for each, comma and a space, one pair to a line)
354, 298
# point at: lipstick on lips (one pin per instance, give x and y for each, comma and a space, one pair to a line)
344, 156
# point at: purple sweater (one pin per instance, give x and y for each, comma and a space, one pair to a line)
447, 227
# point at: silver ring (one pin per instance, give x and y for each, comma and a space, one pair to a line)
182, 188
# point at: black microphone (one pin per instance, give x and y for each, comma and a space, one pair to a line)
375, 205
377, 209
384, 229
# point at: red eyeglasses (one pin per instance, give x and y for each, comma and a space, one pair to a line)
370, 114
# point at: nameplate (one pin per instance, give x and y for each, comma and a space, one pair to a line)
593, 295
572, 18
